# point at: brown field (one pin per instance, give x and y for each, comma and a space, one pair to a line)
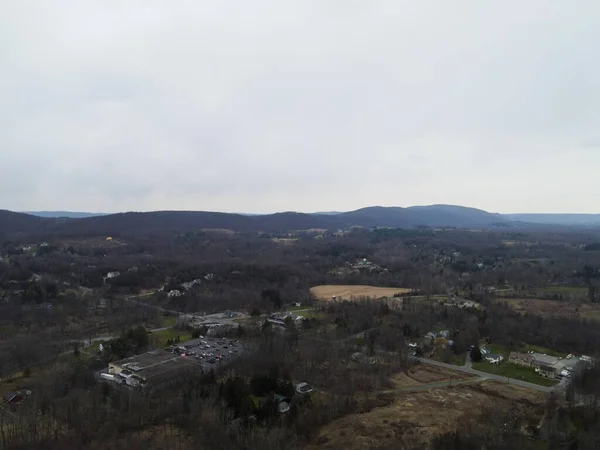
284, 241
426, 373
412, 419
553, 308
343, 292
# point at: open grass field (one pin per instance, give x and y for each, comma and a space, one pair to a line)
346, 292
412, 419
168, 321
554, 308
159, 338
425, 374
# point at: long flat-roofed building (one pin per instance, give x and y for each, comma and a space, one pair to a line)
152, 370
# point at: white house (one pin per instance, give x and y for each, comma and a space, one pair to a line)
174, 293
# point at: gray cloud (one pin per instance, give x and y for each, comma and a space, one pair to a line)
306, 105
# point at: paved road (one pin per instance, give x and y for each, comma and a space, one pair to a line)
440, 384
491, 376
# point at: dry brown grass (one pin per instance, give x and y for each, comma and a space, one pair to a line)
553, 308
285, 241
344, 292
426, 373
413, 419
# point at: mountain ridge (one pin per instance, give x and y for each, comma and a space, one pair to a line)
439, 215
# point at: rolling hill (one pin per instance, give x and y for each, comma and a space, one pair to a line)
14, 222
185, 221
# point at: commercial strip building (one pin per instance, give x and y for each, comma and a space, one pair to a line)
152, 370
162, 368
546, 365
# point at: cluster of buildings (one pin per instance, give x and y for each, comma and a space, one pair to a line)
158, 369
188, 285
280, 319
460, 302
364, 264
546, 365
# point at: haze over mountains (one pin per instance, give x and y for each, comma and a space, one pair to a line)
68, 223
68, 214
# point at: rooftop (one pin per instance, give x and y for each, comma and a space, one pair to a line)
545, 360
154, 365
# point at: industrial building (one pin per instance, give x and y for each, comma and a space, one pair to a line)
152, 370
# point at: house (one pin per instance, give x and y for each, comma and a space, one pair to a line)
13, 397
110, 275
174, 293
279, 319
190, 284
303, 388
494, 359
444, 334
522, 359
283, 407
468, 304
546, 371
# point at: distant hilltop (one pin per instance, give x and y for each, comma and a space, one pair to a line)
433, 216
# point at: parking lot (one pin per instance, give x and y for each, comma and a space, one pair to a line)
209, 352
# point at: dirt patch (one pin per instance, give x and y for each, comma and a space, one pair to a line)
413, 419
553, 308
426, 373
345, 292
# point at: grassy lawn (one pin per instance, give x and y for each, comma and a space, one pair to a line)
497, 349
456, 360
565, 290
242, 321
312, 314
514, 371
159, 338
297, 308
168, 321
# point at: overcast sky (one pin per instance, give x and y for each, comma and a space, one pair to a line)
278, 105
